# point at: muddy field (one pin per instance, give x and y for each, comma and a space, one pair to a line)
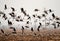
43, 35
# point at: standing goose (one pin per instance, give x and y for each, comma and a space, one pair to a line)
22, 30
2, 31
32, 29
14, 30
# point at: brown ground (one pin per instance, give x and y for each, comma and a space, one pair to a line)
43, 35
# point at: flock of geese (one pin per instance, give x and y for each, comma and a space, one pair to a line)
12, 14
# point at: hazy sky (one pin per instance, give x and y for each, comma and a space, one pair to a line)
31, 4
